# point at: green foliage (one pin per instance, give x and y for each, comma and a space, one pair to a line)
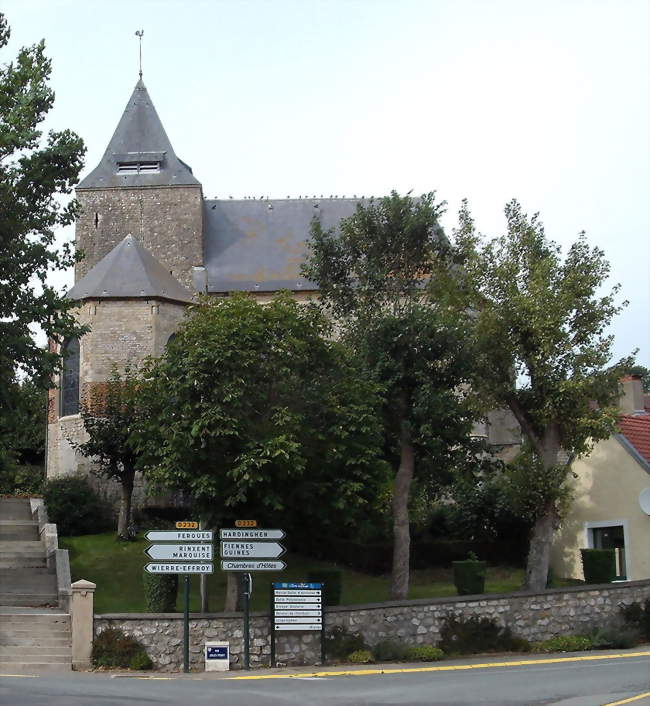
637, 617
74, 506
599, 565
333, 580
141, 661
469, 575
459, 635
160, 592
34, 173
112, 648
614, 638
339, 643
360, 657
424, 653
564, 643
371, 272
643, 373
256, 407
390, 651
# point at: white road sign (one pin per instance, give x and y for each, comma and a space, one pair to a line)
251, 550
294, 621
239, 565
180, 552
282, 600
178, 568
298, 592
294, 613
236, 533
179, 536
300, 626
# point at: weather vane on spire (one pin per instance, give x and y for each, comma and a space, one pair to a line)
139, 34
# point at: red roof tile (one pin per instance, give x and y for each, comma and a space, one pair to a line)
636, 429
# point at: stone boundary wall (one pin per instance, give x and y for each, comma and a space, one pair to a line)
535, 616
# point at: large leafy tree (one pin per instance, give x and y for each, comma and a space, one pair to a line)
255, 411
34, 172
111, 415
537, 323
371, 272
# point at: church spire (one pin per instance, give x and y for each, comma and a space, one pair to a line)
139, 153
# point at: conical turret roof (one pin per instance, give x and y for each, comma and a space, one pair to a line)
139, 153
129, 270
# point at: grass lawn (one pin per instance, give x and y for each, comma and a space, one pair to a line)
117, 567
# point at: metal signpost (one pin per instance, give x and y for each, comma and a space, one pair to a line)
297, 607
192, 554
246, 548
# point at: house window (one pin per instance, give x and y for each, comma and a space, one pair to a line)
603, 535
69, 400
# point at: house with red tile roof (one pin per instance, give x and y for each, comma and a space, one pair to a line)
609, 485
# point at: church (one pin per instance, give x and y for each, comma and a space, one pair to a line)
151, 242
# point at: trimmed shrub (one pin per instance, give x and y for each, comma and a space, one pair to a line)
599, 565
160, 592
614, 638
390, 651
360, 657
333, 580
459, 635
424, 653
112, 648
469, 576
637, 617
74, 507
339, 643
141, 661
564, 643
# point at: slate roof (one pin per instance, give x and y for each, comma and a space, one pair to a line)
259, 245
139, 136
636, 430
129, 270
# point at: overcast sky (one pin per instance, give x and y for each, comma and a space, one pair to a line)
543, 101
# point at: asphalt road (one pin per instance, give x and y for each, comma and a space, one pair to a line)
599, 682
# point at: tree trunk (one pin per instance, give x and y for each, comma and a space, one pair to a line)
401, 534
539, 552
124, 518
232, 591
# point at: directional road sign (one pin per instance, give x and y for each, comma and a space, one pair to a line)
160, 567
236, 533
179, 536
300, 626
180, 552
251, 550
239, 565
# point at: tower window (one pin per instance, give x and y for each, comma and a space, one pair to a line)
138, 167
69, 399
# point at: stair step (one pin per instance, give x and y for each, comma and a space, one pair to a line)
26, 619
29, 599
36, 641
32, 667
10, 653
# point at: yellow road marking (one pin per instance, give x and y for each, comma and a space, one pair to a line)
628, 701
21, 676
446, 668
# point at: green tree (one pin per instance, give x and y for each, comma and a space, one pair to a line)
112, 419
34, 173
643, 373
537, 325
371, 273
254, 411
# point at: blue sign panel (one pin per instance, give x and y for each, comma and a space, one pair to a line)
216, 653
298, 585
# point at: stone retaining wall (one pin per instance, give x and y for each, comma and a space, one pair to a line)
535, 616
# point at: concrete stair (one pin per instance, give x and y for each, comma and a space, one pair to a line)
34, 634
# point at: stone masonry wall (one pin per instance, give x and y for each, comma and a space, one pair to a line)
535, 616
168, 221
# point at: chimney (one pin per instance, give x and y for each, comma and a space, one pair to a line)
631, 399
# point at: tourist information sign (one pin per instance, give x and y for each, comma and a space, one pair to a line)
297, 607
257, 565
180, 552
